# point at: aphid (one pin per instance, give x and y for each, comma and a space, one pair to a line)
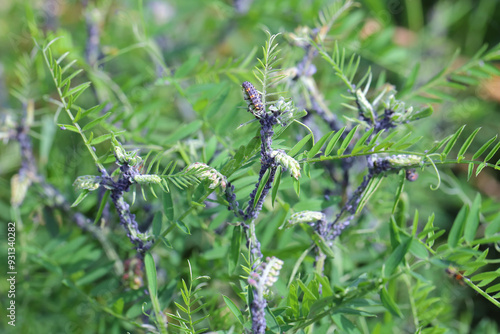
411, 175
253, 97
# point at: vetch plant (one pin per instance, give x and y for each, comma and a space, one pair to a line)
329, 185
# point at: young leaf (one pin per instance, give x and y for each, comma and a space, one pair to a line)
183, 227
480, 168
458, 227
319, 144
183, 132
452, 142
397, 256
78, 90
234, 249
296, 187
492, 152
276, 185
157, 222
470, 170
484, 148
69, 127
299, 145
389, 303
334, 141
410, 82
168, 206
472, 222
80, 198
104, 201
262, 183
347, 140
466, 144
187, 67
234, 309
369, 191
96, 121
359, 144
149, 264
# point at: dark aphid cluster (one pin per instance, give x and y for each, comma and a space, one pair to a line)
253, 97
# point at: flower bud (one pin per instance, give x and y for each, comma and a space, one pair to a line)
287, 162
87, 182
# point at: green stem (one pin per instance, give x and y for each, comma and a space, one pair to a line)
481, 292
68, 111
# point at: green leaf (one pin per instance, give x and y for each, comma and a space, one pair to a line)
399, 190
458, 227
410, 82
371, 188
307, 293
78, 90
94, 110
104, 201
426, 112
480, 168
470, 170
293, 301
319, 144
323, 245
68, 127
100, 139
187, 67
183, 132
347, 140
68, 79
296, 186
295, 150
276, 185
452, 142
492, 152
493, 288
396, 257
118, 306
438, 145
183, 227
149, 264
168, 206
262, 184
493, 226
271, 321
96, 121
80, 198
361, 142
157, 224
466, 144
484, 148
389, 303
485, 276
93, 276
334, 141
216, 104
234, 309
472, 222
234, 249
47, 137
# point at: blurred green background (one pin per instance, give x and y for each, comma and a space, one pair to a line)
168, 61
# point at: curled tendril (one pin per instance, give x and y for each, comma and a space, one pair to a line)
436, 187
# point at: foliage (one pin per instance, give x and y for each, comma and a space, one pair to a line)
116, 98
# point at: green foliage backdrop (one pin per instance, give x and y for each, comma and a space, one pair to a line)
351, 186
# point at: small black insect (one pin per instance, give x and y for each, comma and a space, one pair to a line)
253, 96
